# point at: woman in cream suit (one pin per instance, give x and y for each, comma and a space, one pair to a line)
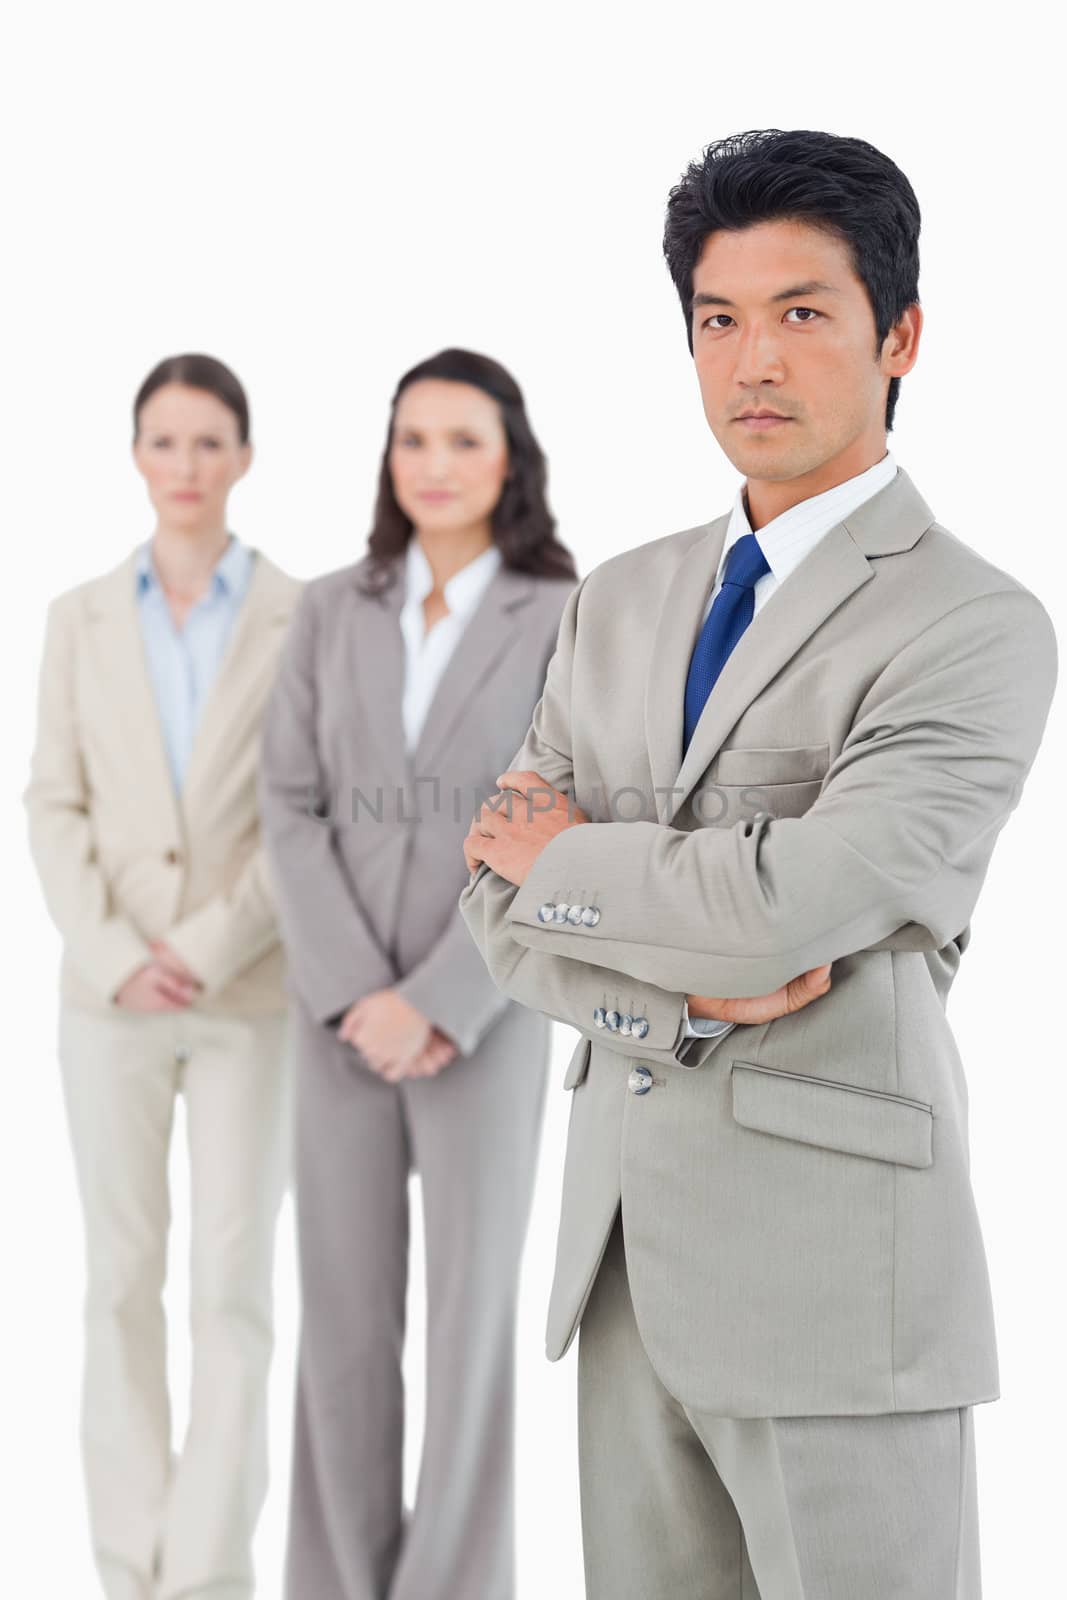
144, 830
407, 684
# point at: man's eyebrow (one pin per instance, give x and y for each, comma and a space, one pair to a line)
814, 286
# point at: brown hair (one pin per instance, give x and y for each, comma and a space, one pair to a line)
198, 372
522, 525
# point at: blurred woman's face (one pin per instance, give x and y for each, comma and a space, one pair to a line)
448, 455
189, 452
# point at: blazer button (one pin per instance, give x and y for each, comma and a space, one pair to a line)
172, 858
613, 1019
640, 1080
639, 1027
590, 916
600, 1017
574, 915
546, 912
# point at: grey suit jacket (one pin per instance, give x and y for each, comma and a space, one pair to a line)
800, 1229
364, 838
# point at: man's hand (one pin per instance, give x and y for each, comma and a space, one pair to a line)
793, 996
155, 987
509, 833
512, 828
394, 1038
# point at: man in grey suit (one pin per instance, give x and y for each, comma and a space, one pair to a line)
768, 1233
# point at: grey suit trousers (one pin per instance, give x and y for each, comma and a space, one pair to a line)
681, 1504
472, 1134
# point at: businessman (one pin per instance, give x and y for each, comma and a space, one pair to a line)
785, 739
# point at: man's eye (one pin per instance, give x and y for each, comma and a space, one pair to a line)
718, 319
804, 313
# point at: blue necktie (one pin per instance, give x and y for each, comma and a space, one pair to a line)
730, 615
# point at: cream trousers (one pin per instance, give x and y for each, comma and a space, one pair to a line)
166, 1525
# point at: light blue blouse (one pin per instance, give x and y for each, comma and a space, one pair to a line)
183, 662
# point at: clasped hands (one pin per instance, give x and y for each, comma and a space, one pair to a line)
394, 1038
163, 984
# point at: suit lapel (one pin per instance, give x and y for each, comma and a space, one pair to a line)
489, 632
119, 646
676, 632
267, 604
379, 665
892, 520
826, 577
376, 653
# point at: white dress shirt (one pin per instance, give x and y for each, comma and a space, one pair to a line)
427, 654
785, 541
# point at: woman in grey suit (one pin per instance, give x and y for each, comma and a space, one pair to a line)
407, 684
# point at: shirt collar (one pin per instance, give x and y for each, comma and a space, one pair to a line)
787, 538
231, 574
463, 589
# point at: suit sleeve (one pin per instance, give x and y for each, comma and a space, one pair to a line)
332, 952
104, 946
232, 930
897, 844
551, 979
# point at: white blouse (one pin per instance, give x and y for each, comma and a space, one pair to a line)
428, 653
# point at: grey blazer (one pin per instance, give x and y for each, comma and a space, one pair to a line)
364, 838
800, 1229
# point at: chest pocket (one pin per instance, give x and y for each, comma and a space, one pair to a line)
783, 781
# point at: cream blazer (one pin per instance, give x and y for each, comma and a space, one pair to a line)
121, 856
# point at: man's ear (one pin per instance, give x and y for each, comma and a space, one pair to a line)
900, 347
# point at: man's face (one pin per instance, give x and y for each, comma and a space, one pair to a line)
782, 325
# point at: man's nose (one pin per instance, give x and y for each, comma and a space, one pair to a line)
759, 357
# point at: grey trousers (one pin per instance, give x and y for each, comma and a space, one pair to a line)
680, 1505
472, 1133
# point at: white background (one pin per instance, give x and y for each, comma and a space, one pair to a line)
322, 195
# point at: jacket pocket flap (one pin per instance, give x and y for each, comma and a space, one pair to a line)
798, 764
839, 1116
578, 1065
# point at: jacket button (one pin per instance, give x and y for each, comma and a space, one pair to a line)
640, 1080
172, 858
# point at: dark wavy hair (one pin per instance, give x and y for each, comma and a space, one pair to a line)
199, 372
844, 186
522, 525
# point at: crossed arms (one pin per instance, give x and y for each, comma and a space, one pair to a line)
892, 854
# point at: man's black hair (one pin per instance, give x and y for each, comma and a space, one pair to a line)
842, 185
